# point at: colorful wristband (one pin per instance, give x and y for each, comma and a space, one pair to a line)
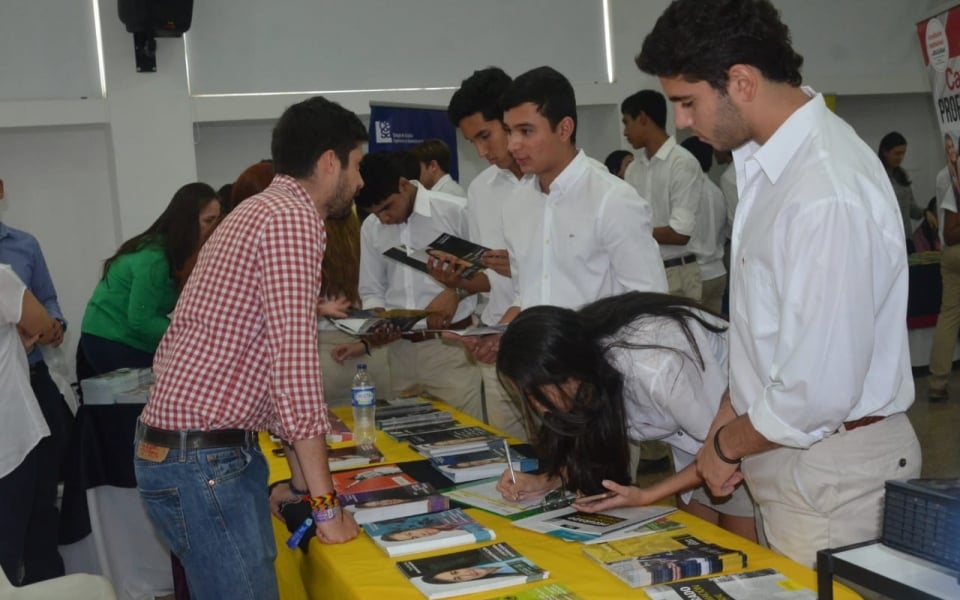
323, 502
720, 454
322, 515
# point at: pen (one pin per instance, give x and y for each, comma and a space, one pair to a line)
301, 531
506, 449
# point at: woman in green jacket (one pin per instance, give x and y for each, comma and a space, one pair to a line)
127, 314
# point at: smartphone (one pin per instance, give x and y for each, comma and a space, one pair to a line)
593, 499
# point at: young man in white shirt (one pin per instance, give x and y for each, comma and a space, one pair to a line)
668, 177
577, 233
475, 110
402, 212
819, 365
434, 157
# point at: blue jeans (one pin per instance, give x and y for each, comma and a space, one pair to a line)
210, 507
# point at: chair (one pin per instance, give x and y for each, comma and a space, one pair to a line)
78, 586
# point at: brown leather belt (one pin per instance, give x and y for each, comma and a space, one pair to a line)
680, 260
421, 336
220, 438
861, 422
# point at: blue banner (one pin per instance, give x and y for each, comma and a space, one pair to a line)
395, 128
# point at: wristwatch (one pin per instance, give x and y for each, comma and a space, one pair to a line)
460, 292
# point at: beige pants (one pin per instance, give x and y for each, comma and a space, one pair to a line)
337, 379
830, 494
440, 368
945, 336
684, 280
503, 413
712, 295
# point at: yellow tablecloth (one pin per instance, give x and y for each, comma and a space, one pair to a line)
360, 570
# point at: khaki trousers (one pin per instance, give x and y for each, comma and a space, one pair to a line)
712, 294
685, 280
945, 335
440, 368
338, 379
830, 494
503, 413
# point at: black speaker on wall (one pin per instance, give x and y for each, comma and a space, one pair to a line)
150, 19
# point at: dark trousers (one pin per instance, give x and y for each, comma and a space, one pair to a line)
100, 355
29, 520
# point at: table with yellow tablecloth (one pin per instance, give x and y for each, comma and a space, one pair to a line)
359, 569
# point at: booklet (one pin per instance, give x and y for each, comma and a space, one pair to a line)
482, 464
363, 322
466, 252
454, 441
339, 432
765, 584
484, 495
400, 432
352, 457
374, 478
659, 526
573, 525
648, 560
378, 505
468, 571
426, 418
421, 533
547, 591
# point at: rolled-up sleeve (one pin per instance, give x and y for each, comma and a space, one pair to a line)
686, 187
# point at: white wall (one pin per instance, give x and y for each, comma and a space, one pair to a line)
111, 163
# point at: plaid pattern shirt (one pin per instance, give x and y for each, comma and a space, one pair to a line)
241, 350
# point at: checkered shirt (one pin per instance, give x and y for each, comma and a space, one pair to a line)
241, 350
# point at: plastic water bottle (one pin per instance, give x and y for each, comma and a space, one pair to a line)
364, 400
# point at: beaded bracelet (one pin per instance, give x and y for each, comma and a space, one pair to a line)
720, 454
323, 502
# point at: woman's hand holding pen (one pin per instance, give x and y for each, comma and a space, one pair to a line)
527, 486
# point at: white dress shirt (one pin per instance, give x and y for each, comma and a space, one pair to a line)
23, 422
728, 185
945, 200
711, 233
588, 238
386, 283
670, 182
487, 194
447, 185
818, 294
666, 394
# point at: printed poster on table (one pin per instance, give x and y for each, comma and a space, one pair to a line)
940, 45
399, 127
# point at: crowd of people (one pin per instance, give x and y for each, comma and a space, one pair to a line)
610, 277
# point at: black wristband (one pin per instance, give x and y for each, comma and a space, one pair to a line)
720, 454
366, 346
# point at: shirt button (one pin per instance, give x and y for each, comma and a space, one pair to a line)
903, 462
679, 434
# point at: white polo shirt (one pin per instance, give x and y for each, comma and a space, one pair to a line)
23, 422
386, 283
446, 185
487, 194
818, 293
670, 181
711, 232
588, 238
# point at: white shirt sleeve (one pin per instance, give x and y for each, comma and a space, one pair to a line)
11, 295
624, 226
373, 268
685, 194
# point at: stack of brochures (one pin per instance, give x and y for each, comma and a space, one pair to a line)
482, 464
765, 584
385, 492
421, 533
454, 441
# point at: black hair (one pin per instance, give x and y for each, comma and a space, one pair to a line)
479, 93
700, 150
615, 159
381, 172
430, 150
549, 90
549, 345
308, 129
649, 102
176, 230
700, 40
888, 143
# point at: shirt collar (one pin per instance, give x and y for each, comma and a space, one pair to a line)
446, 177
774, 156
293, 187
421, 204
665, 149
570, 173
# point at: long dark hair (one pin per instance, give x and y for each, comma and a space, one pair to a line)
549, 346
888, 143
176, 230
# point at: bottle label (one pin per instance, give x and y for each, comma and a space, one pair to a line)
363, 396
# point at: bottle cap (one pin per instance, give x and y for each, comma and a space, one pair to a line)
361, 366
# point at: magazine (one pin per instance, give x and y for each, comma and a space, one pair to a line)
374, 478
482, 464
364, 322
352, 457
454, 441
467, 253
484, 495
428, 417
573, 525
421, 533
765, 584
468, 571
400, 432
393, 503
659, 526
643, 561
547, 591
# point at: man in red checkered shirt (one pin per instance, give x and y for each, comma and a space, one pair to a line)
240, 356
